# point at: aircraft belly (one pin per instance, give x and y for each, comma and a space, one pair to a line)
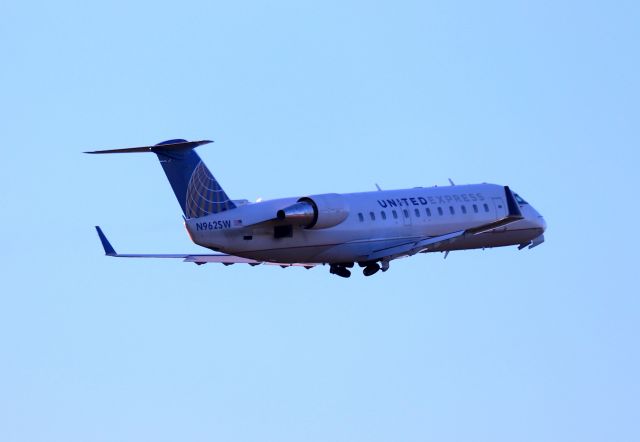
331, 246
287, 255
294, 249
319, 253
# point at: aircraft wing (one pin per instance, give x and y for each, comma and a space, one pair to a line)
195, 258
429, 243
413, 247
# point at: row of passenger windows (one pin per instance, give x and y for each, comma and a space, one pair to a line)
427, 211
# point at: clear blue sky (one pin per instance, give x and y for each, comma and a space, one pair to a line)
301, 98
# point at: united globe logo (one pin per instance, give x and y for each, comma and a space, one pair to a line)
204, 194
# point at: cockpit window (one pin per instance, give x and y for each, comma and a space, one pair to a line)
519, 199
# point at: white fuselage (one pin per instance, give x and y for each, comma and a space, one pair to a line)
374, 220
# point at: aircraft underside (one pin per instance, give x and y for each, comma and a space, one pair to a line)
343, 257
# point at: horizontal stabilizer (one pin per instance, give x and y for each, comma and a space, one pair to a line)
162, 147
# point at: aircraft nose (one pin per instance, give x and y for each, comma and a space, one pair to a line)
541, 223
534, 219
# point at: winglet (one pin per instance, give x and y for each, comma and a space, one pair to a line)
512, 204
514, 214
108, 248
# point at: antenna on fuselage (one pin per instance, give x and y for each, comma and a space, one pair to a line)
451, 182
378, 187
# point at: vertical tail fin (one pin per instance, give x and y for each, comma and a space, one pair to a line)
196, 189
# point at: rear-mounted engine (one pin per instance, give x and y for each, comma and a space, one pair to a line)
316, 212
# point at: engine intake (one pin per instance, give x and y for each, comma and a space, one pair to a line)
316, 212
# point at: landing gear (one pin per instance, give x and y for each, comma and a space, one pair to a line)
371, 269
340, 270
368, 268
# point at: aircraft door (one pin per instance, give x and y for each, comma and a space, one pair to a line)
500, 208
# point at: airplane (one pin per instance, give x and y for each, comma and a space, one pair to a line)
369, 229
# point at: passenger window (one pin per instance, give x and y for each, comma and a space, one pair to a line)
406, 213
486, 207
360, 217
383, 214
440, 211
428, 211
451, 210
464, 209
395, 214
417, 212
475, 208
373, 216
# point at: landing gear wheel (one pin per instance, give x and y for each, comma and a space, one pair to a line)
371, 269
340, 271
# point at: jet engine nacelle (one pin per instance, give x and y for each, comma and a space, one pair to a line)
316, 211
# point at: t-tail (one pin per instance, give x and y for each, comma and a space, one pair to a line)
197, 191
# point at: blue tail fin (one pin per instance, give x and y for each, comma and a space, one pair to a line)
196, 189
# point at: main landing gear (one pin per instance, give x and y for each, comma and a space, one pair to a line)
370, 268
341, 269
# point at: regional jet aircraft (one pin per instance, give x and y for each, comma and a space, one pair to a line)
339, 230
